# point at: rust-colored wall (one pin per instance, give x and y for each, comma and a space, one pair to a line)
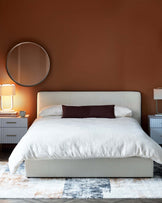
93, 45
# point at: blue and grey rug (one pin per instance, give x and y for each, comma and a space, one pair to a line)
18, 186
86, 187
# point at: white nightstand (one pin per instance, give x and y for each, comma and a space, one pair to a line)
155, 126
12, 129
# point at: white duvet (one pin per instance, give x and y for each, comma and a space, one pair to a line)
56, 138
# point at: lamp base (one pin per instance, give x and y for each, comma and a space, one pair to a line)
8, 112
7, 103
158, 114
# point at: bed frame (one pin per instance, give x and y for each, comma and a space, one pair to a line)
105, 167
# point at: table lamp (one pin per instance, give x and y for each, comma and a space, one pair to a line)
6, 92
157, 96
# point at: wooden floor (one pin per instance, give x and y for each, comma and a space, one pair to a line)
4, 157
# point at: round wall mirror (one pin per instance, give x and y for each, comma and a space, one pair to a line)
28, 64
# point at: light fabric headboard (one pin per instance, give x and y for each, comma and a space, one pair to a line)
130, 99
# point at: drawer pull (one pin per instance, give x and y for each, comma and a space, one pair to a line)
10, 122
11, 135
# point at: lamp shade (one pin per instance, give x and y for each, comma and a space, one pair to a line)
7, 90
157, 93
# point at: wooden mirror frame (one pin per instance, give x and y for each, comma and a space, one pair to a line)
43, 51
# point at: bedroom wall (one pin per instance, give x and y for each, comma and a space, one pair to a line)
93, 45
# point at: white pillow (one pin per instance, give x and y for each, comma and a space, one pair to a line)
54, 110
122, 111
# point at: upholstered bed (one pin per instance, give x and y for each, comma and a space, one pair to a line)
67, 163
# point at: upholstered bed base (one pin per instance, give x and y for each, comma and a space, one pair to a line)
122, 167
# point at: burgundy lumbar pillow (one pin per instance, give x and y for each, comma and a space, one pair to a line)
105, 111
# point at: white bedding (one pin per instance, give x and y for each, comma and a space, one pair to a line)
56, 138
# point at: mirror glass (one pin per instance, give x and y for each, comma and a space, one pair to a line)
28, 64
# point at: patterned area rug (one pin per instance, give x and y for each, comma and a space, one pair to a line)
18, 186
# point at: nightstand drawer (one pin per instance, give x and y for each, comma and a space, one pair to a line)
14, 122
156, 134
12, 135
156, 123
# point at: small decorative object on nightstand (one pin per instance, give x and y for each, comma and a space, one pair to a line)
12, 129
22, 114
157, 96
155, 127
